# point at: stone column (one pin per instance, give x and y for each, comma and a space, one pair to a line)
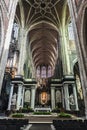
7, 42
15, 59
33, 97
64, 42
19, 97
66, 93
23, 91
81, 59
10, 96
65, 53
22, 55
75, 96
53, 97
62, 91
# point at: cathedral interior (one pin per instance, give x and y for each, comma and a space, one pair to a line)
43, 55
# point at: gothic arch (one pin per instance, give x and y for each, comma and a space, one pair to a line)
81, 20
79, 88
75, 61
76, 69
52, 26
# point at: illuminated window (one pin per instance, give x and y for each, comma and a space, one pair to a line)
43, 72
38, 72
70, 31
15, 29
49, 74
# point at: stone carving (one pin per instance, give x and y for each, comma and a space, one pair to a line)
71, 100
14, 99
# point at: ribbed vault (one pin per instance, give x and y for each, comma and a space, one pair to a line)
43, 43
42, 19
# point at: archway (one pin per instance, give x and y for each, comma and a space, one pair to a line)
80, 96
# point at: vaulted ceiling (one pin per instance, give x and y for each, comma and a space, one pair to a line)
43, 43
43, 19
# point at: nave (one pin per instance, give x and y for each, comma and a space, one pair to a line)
43, 56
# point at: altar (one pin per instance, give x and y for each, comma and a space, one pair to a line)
42, 109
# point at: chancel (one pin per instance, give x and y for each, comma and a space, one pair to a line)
43, 55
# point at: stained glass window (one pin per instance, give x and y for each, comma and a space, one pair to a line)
49, 74
43, 72
38, 72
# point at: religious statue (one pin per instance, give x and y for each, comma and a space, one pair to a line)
14, 99
72, 102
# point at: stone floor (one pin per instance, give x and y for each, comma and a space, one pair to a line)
40, 126
40, 122
41, 118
